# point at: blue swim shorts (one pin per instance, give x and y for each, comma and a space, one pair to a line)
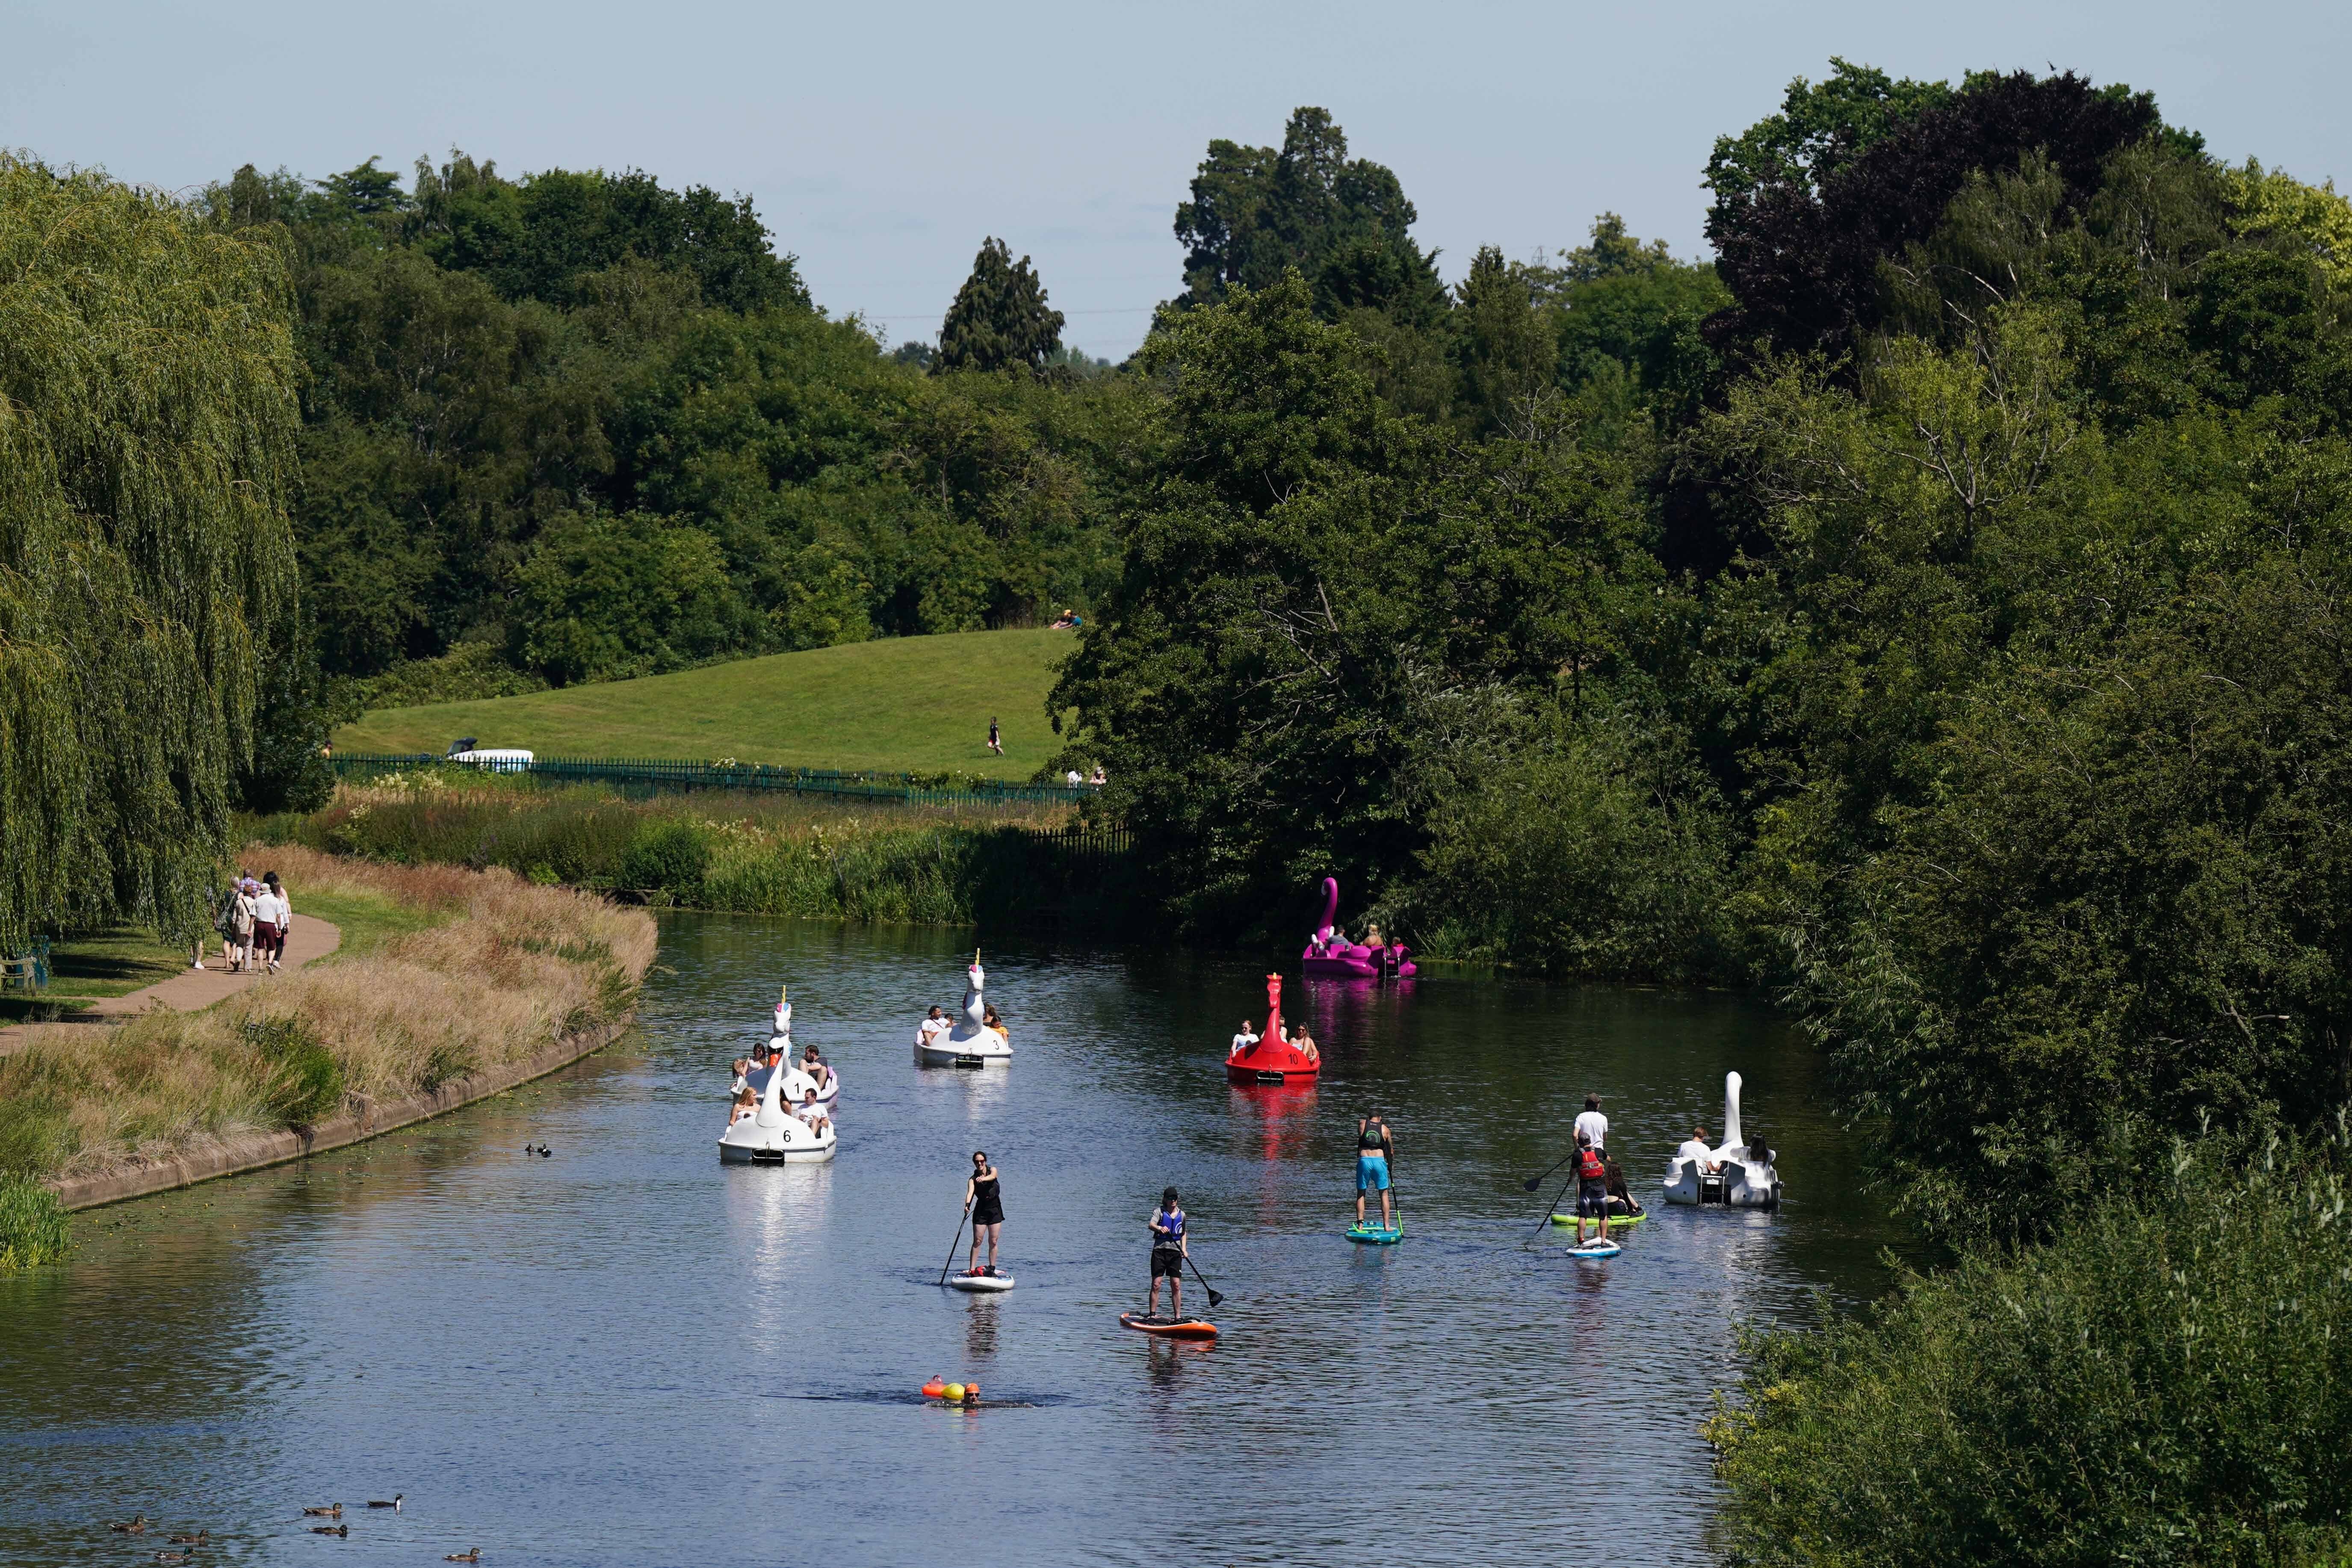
1373, 1171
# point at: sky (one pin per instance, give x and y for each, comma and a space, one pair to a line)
882, 142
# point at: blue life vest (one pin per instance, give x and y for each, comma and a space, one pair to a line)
1170, 1227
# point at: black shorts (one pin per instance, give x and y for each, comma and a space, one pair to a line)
988, 1213
1168, 1261
1592, 1200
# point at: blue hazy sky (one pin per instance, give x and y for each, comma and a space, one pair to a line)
882, 141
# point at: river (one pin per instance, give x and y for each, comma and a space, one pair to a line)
625, 1353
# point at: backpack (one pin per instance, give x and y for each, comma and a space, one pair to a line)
1589, 1166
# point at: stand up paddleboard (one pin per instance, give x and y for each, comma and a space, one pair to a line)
1376, 1234
1596, 1249
980, 1281
1616, 1221
1170, 1328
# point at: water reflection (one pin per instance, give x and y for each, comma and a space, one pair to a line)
529, 1348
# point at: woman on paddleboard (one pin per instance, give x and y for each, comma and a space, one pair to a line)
1167, 1254
1374, 1144
1591, 1187
987, 1206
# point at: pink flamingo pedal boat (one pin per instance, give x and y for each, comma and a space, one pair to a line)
1329, 954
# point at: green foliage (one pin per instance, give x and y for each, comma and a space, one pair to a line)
35, 1228
147, 422
1820, 129
471, 670
603, 597
999, 318
2170, 1382
669, 857
1341, 223
303, 1083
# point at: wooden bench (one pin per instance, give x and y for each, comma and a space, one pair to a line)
27, 971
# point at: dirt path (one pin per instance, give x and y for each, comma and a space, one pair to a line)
194, 988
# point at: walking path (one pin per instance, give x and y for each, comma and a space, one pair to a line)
186, 992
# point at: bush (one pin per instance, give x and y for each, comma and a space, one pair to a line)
305, 1082
668, 856
2170, 1382
35, 1228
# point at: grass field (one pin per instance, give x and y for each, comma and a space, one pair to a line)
912, 703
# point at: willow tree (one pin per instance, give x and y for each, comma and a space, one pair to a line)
147, 422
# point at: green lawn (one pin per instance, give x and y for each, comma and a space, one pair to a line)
913, 703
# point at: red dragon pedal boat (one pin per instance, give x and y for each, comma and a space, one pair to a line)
1272, 1059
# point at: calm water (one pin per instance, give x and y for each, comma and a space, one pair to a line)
628, 1354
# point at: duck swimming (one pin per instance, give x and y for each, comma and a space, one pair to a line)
198, 1539
395, 1504
330, 1529
473, 1556
332, 1511
136, 1525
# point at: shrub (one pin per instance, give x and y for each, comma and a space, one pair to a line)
2170, 1382
668, 856
34, 1226
305, 1081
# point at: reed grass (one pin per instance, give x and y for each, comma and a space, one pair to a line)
514, 967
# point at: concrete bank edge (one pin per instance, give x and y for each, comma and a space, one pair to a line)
258, 1151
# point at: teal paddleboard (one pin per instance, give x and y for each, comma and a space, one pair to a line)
1596, 1249
1376, 1234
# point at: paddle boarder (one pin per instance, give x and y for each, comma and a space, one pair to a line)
1375, 1145
987, 1206
1167, 1254
1591, 1186
1591, 1123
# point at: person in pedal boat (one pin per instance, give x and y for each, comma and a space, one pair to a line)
987, 1206
930, 1028
810, 1113
1167, 1254
1695, 1147
1591, 1187
1244, 1040
989, 1020
1374, 1146
813, 1064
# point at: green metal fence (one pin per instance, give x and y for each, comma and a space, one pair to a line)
664, 775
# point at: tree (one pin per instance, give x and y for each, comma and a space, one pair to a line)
147, 430
998, 319
1257, 212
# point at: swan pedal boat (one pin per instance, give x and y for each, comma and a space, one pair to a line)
1741, 1182
971, 1042
773, 1135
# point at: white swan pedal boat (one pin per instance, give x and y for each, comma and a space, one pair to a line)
971, 1042
1740, 1180
780, 1039
774, 1135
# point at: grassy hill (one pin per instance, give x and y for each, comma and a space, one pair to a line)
919, 703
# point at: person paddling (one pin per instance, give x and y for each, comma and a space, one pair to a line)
987, 1206
1375, 1145
1591, 1186
1169, 1252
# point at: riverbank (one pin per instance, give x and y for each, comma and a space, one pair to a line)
498, 980
739, 854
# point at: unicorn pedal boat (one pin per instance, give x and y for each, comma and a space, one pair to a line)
1744, 1176
780, 1039
971, 1042
1271, 1057
774, 1135
1329, 955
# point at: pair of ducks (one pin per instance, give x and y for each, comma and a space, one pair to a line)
541, 1150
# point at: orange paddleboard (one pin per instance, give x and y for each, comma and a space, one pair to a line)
1173, 1327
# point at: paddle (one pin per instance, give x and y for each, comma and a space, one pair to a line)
1532, 1182
1550, 1208
1216, 1297
956, 1242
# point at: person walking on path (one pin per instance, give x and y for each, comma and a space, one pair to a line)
987, 1205
995, 738
1374, 1146
1591, 1123
245, 916
1169, 1251
271, 912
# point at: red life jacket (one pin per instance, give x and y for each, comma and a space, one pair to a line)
1590, 1167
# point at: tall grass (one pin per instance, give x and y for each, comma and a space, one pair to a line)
34, 1226
755, 854
520, 966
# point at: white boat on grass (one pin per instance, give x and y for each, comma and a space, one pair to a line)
971, 1042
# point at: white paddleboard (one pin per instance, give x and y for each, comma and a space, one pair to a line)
980, 1281
1596, 1249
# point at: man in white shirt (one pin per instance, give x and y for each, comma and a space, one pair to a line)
1593, 1124
1696, 1148
1244, 1040
931, 1028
